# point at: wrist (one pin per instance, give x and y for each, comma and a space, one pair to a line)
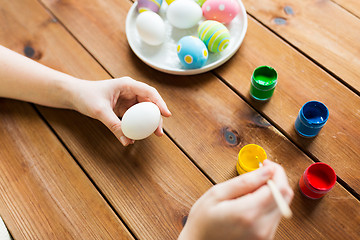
65, 91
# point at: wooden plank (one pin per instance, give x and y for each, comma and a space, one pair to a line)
151, 184
352, 6
204, 112
44, 193
151, 189
321, 29
300, 81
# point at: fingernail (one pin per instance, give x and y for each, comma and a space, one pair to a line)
162, 131
123, 141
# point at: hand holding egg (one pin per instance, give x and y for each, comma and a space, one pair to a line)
106, 100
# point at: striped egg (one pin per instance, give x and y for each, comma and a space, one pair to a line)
192, 52
148, 5
215, 35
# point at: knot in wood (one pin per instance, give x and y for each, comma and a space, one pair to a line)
280, 21
184, 220
29, 51
260, 121
231, 136
288, 10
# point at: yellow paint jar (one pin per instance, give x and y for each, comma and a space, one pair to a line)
249, 157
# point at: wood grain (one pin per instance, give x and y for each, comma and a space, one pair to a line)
300, 81
352, 6
321, 29
210, 122
44, 193
151, 185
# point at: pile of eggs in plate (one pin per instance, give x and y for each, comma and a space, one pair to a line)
212, 16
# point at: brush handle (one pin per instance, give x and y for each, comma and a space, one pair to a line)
279, 199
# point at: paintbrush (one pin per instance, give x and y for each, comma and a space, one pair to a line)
279, 199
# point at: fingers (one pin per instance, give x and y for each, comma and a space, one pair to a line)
159, 131
146, 92
258, 210
242, 185
280, 179
260, 199
112, 122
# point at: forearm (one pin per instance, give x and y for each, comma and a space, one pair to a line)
24, 79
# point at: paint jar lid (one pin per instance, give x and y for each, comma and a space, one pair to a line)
250, 156
320, 176
264, 78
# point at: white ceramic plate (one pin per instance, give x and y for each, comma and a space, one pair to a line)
164, 57
4, 234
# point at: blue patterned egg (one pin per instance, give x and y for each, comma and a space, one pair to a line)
192, 52
148, 5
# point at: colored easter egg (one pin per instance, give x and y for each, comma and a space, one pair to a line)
184, 14
200, 2
192, 52
148, 5
151, 28
223, 11
215, 35
169, 1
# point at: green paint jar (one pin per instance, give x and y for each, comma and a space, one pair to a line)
263, 82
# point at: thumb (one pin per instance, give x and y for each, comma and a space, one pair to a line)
243, 184
113, 123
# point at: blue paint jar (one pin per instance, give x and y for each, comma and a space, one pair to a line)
311, 118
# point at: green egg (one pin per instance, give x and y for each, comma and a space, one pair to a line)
215, 35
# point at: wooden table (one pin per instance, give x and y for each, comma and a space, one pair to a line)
65, 176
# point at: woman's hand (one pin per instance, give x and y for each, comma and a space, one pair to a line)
27, 80
240, 208
107, 99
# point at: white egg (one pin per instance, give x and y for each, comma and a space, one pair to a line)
151, 28
184, 14
140, 120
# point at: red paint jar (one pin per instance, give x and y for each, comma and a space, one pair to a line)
317, 180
